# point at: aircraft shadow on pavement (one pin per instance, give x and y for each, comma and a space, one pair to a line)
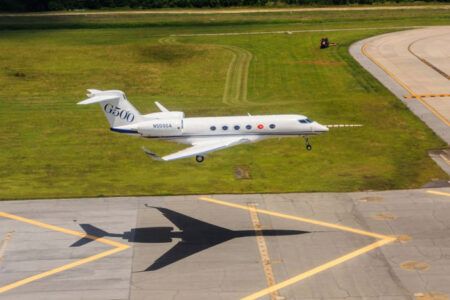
195, 236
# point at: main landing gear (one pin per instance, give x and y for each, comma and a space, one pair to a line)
199, 158
308, 145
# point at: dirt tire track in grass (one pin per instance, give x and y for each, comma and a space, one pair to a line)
235, 90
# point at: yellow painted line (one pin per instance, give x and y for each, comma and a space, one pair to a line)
439, 193
60, 229
263, 251
445, 159
426, 96
118, 247
320, 268
382, 240
61, 269
418, 97
290, 217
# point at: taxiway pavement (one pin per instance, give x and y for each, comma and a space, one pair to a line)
367, 245
415, 66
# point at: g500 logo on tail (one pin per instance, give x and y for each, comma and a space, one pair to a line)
118, 112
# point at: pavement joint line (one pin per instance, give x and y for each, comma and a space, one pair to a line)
426, 62
407, 88
118, 247
382, 240
263, 250
438, 193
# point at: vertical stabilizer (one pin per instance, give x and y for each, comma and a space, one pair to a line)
118, 110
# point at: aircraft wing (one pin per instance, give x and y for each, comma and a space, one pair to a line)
184, 222
201, 148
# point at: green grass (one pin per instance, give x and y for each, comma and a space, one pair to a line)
50, 147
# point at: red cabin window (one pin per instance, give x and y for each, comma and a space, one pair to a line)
260, 126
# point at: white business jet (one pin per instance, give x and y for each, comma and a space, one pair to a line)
206, 134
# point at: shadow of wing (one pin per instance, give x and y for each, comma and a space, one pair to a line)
81, 242
178, 252
184, 222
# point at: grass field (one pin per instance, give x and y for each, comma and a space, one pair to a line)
50, 147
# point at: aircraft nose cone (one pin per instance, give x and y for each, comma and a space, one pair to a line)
320, 128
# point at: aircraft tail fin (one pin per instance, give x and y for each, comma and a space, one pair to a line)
118, 110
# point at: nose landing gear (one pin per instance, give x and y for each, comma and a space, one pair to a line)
308, 145
199, 158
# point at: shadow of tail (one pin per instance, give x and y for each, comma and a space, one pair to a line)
93, 233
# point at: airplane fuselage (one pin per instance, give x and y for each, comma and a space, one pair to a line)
184, 130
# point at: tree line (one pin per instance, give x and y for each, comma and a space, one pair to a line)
52, 5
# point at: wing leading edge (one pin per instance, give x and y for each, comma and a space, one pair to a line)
199, 149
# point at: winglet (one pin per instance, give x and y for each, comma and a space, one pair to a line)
152, 155
161, 107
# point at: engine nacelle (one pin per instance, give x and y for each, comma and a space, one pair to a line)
161, 127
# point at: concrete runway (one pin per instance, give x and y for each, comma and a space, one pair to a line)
414, 65
368, 245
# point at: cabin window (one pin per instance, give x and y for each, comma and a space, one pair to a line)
248, 127
272, 126
225, 127
212, 128
303, 121
308, 120
237, 127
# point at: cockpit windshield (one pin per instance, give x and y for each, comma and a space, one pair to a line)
305, 121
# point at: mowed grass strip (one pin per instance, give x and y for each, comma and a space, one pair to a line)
53, 148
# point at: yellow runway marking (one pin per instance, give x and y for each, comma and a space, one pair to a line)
263, 251
426, 96
418, 97
445, 159
295, 218
60, 229
439, 193
117, 248
382, 240
320, 268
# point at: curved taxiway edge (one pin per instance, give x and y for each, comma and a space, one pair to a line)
441, 129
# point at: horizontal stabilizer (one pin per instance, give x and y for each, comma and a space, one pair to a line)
92, 92
99, 98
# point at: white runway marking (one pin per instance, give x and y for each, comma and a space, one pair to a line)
343, 125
